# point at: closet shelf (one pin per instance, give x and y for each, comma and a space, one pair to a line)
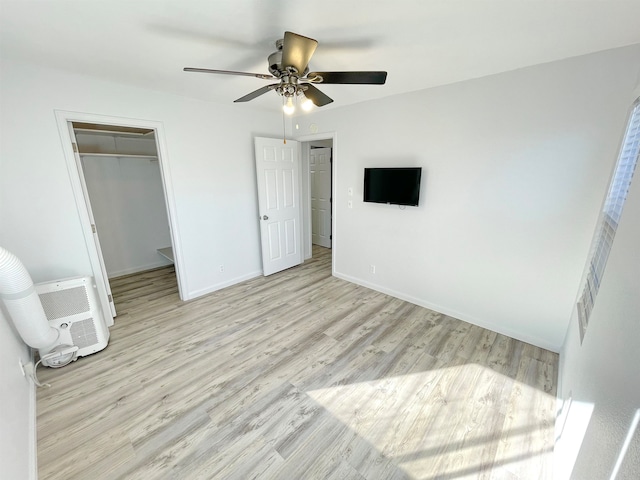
115, 131
116, 155
167, 253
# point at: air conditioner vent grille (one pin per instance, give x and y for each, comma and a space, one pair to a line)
83, 333
64, 303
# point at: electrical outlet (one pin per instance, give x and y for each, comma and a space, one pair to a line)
221, 268
372, 269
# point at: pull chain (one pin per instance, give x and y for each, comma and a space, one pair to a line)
284, 130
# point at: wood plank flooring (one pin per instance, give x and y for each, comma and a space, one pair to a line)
299, 375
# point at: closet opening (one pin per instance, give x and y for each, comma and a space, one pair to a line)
121, 192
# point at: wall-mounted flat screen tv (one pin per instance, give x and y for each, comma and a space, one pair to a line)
396, 186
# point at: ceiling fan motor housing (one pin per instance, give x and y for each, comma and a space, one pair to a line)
275, 64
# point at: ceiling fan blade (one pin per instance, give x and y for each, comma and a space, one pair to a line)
297, 51
318, 98
229, 72
256, 93
361, 78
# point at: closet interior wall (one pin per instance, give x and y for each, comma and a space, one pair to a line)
124, 184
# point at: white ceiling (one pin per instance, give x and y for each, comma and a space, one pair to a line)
421, 43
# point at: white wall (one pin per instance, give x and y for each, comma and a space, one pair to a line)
210, 162
514, 169
604, 372
127, 201
602, 376
17, 407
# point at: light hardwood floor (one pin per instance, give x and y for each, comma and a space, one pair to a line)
299, 375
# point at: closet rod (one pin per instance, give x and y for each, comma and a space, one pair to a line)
119, 155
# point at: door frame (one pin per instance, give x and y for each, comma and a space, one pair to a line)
92, 220
63, 118
306, 190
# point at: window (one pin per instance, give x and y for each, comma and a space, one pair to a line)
609, 217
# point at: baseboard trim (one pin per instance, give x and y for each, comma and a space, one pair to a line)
452, 313
141, 268
219, 286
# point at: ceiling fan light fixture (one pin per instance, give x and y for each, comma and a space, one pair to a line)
307, 104
288, 108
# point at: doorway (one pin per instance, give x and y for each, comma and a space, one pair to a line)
118, 173
308, 143
124, 186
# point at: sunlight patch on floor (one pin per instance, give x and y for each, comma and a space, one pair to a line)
437, 421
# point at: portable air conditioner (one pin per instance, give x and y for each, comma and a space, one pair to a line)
71, 307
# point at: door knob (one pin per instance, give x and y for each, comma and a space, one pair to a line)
264, 217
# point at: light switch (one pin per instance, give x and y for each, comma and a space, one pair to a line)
350, 204
350, 191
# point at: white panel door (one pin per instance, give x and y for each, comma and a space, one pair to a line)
277, 169
320, 170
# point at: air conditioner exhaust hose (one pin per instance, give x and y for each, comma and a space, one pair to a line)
23, 304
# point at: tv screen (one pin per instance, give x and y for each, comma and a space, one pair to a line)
397, 186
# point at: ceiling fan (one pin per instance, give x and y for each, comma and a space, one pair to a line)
290, 65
